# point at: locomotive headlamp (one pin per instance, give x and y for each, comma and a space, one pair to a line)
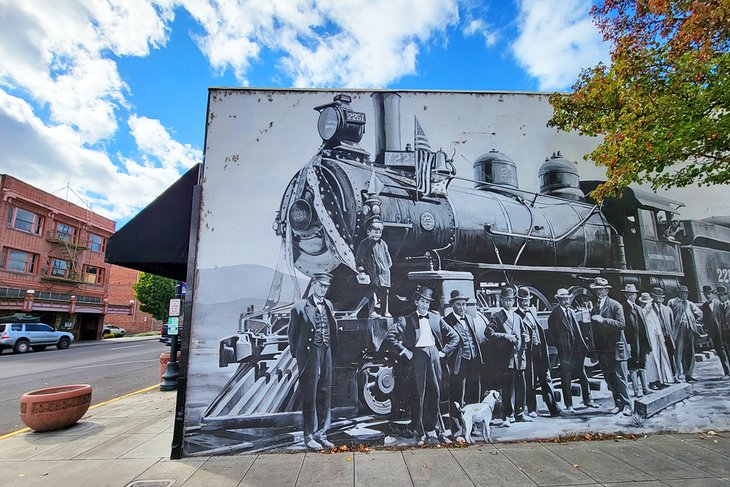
338, 123
300, 215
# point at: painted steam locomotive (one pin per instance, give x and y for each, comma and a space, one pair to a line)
450, 236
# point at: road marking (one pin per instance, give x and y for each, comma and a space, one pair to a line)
125, 347
103, 403
116, 363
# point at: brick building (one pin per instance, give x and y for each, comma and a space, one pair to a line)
121, 280
52, 260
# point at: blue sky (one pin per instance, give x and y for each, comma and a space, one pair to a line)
109, 96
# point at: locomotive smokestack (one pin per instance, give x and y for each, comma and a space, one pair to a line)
387, 124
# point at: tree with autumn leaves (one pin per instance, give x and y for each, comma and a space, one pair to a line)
662, 107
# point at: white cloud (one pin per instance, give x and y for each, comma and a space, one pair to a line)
556, 39
155, 141
52, 156
326, 42
480, 27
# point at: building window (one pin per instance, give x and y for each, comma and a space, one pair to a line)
93, 275
97, 243
59, 268
25, 221
65, 232
18, 261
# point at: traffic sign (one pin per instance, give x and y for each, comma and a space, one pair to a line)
172, 325
174, 307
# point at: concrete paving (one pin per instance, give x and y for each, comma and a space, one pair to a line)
127, 443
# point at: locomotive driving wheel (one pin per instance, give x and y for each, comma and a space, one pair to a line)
376, 382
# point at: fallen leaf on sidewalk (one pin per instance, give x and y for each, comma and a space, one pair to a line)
575, 465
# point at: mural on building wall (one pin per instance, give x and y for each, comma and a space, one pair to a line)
372, 269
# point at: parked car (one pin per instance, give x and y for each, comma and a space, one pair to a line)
113, 330
21, 336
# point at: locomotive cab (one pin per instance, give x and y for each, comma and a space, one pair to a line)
641, 218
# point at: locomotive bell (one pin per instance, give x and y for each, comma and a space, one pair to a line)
494, 168
559, 177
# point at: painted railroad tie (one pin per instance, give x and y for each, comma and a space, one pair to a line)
653, 403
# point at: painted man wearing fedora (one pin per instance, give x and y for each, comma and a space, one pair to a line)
537, 372
666, 319
312, 339
467, 362
713, 329
566, 335
607, 324
506, 326
722, 318
638, 341
424, 338
686, 316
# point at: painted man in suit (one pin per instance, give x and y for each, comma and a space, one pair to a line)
312, 340
607, 323
537, 372
722, 317
506, 326
713, 329
566, 335
638, 341
686, 316
424, 338
666, 318
466, 363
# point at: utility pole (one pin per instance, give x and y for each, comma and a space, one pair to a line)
169, 378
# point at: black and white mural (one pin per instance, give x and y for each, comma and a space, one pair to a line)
422, 268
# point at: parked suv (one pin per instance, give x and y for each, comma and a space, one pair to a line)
22, 336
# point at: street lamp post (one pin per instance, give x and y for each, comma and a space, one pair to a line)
172, 372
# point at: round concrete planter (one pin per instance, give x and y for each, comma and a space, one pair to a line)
55, 407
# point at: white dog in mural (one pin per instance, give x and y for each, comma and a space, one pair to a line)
481, 412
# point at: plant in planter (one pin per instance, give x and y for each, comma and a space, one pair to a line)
55, 407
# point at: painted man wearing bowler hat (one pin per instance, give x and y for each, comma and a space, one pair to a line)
538, 360
566, 335
506, 326
666, 318
424, 338
638, 340
312, 340
466, 362
607, 324
722, 318
713, 329
686, 316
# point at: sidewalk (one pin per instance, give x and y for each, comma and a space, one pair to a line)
127, 442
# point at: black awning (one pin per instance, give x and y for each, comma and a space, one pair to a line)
156, 240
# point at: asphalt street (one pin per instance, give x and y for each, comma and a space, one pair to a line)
113, 368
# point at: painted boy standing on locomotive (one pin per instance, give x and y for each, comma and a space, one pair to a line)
686, 316
466, 362
638, 339
374, 261
424, 338
566, 335
713, 329
607, 323
538, 360
312, 339
506, 326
